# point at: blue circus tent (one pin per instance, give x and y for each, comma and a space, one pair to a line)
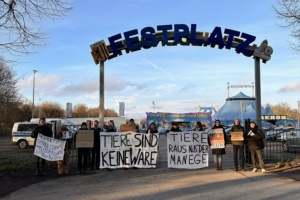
239, 106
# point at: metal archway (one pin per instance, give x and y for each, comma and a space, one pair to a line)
181, 34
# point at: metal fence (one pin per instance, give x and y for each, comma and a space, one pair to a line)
282, 144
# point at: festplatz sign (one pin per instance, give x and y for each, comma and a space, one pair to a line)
182, 34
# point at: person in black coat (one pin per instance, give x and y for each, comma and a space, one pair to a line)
255, 141
175, 127
220, 151
238, 146
111, 127
96, 148
152, 128
198, 126
82, 153
45, 130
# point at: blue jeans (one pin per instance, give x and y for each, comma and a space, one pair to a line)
217, 158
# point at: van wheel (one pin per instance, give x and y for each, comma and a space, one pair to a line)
22, 144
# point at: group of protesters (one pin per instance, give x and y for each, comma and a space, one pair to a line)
254, 138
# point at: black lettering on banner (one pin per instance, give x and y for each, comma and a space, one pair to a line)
203, 137
177, 148
103, 155
136, 136
198, 148
195, 137
204, 158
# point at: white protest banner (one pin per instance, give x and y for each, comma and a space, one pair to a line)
128, 149
49, 148
187, 150
216, 137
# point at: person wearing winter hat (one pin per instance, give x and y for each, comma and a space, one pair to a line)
238, 146
63, 165
255, 141
45, 130
82, 154
220, 151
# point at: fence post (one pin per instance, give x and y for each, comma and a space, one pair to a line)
247, 151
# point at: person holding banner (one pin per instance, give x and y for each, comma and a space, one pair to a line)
82, 153
198, 126
63, 165
96, 148
255, 141
152, 128
131, 121
111, 127
175, 127
45, 130
218, 151
238, 144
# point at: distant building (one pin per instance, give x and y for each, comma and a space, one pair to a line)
69, 110
121, 109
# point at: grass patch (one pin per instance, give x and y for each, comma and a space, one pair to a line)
288, 163
7, 164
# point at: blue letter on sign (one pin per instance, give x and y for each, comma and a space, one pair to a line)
149, 39
114, 44
193, 38
231, 34
164, 29
242, 46
178, 34
216, 38
133, 43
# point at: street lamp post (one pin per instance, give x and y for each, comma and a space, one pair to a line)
34, 71
40, 107
298, 112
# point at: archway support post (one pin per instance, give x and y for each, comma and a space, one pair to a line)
101, 94
257, 91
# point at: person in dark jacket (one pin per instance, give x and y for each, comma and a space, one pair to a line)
111, 127
96, 148
255, 141
45, 130
220, 151
238, 146
175, 127
82, 153
152, 128
198, 126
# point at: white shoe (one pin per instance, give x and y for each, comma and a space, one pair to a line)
263, 171
254, 170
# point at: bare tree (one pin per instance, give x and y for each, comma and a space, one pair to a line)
8, 94
110, 113
80, 110
51, 110
21, 23
289, 12
284, 109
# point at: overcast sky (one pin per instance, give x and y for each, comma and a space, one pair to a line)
176, 78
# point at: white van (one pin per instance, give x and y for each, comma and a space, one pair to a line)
21, 134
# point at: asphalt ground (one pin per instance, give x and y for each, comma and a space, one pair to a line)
166, 183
